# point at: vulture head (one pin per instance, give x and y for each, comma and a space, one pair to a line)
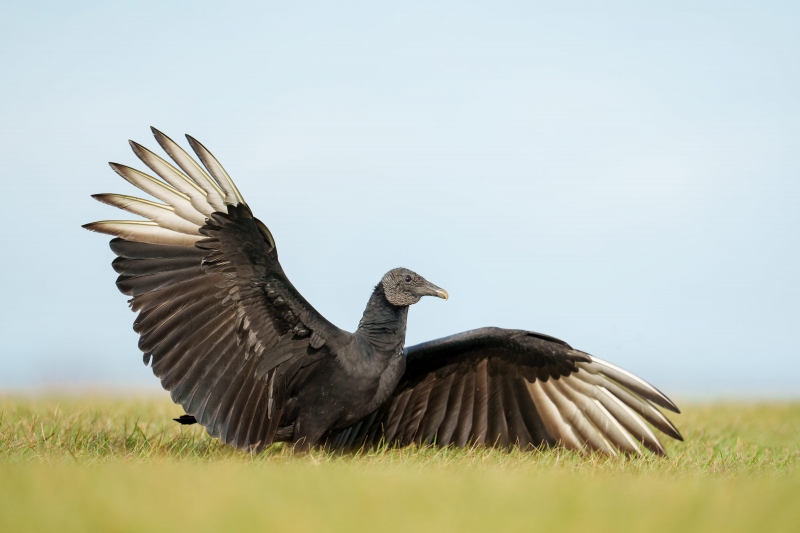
404, 287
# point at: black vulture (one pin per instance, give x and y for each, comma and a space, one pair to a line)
247, 357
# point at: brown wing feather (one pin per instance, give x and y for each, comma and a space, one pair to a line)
221, 324
437, 408
499, 388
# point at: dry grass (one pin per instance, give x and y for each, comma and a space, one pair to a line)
122, 465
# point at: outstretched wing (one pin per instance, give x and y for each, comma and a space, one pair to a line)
223, 326
499, 387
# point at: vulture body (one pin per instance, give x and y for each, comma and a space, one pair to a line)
247, 357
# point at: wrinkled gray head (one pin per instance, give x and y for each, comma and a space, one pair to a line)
404, 287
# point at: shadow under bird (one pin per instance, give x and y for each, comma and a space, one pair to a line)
253, 362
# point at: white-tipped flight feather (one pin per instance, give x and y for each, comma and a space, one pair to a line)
576, 417
216, 196
552, 417
190, 195
634, 424
590, 410
142, 231
166, 193
163, 215
641, 406
634, 383
584, 398
233, 197
197, 196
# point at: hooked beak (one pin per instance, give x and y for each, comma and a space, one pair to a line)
433, 290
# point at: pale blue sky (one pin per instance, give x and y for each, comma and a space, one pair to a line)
624, 177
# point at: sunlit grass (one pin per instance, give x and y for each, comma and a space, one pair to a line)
107, 464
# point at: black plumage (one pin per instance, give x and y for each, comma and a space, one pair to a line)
254, 363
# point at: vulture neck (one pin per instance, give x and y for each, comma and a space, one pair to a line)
383, 325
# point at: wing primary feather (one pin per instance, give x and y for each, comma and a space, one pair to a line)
156, 298
632, 427
552, 417
577, 419
635, 383
161, 214
606, 425
137, 285
145, 267
142, 231
233, 197
633, 446
639, 405
216, 196
148, 321
632, 422
180, 181
140, 250
166, 193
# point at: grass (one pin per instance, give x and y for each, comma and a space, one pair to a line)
105, 464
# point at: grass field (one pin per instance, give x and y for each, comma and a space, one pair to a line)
105, 464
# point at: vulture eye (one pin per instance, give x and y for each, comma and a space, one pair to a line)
408, 279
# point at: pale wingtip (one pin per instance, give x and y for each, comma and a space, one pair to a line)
199, 149
101, 197
659, 398
670, 405
194, 143
159, 135
91, 226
